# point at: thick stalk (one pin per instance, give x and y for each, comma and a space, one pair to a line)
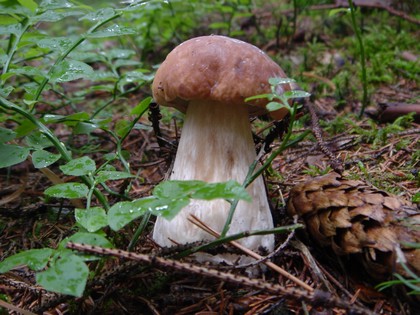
216, 145
253, 175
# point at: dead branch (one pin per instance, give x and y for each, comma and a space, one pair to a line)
317, 297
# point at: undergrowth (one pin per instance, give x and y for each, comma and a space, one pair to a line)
70, 69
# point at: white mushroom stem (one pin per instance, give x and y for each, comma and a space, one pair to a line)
216, 145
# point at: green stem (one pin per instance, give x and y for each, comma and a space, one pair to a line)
235, 202
89, 196
114, 98
80, 40
139, 231
252, 175
13, 47
365, 100
7, 105
233, 237
283, 146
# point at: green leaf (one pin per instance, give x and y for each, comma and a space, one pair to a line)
141, 107
99, 15
84, 128
122, 127
25, 127
103, 176
226, 190
14, 29
78, 167
339, 10
113, 30
36, 259
6, 20
12, 154
74, 119
123, 213
201, 190
135, 76
55, 4
54, 16
95, 239
42, 158
91, 219
125, 63
277, 81
272, 106
50, 118
13, 7
69, 70
70, 120
27, 71
38, 140
67, 190
67, 275
416, 198
6, 134
296, 94
88, 238
170, 197
219, 25
30, 4
56, 43
5, 92
110, 156
142, 127
120, 53
256, 97
168, 208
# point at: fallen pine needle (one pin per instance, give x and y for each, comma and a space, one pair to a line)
196, 221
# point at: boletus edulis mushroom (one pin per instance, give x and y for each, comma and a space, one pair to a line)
208, 78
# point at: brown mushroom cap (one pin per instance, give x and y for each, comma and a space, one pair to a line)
216, 68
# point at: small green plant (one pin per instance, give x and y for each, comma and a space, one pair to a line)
365, 100
352, 10
167, 200
314, 170
416, 198
37, 70
276, 101
412, 283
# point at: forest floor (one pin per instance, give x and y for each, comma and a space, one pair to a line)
381, 149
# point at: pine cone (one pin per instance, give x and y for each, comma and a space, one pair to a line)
354, 218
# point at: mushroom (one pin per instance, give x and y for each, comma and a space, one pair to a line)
209, 78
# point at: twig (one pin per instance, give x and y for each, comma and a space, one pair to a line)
15, 195
313, 264
337, 283
328, 82
335, 163
15, 308
275, 252
203, 246
196, 221
316, 297
154, 117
